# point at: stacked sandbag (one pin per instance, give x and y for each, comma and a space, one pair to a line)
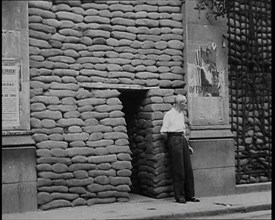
146, 38
124, 42
151, 174
83, 154
250, 62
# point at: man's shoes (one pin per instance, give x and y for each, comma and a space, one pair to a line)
181, 200
193, 199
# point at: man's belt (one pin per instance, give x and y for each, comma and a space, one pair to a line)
175, 134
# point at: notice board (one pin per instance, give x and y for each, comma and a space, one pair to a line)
10, 93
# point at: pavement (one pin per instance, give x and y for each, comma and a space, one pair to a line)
141, 207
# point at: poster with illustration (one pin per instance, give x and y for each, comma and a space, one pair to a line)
205, 78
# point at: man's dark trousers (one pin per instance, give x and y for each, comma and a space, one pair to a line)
182, 172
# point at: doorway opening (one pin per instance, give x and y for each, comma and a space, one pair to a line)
132, 105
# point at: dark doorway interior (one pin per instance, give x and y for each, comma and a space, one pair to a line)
132, 105
131, 101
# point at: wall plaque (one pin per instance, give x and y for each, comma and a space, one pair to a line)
10, 93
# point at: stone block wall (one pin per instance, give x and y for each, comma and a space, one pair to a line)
18, 178
83, 151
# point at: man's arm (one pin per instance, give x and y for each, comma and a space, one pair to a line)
187, 135
164, 127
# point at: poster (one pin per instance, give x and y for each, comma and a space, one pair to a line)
206, 86
10, 93
205, 78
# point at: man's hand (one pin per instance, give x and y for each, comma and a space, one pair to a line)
164, 136
191, 150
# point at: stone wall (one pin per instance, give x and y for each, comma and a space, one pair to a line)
17, 147
83, 150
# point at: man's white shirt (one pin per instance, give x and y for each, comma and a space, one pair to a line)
173, 121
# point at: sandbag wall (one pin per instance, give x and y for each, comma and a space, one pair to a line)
130, 42
250, 59
151, 175
83, 154
80, 161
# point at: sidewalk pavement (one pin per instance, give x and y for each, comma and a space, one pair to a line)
140, 207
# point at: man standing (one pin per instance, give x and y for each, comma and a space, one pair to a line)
174, 131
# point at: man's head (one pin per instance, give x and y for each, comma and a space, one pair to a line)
181, 101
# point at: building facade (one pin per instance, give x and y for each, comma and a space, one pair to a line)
92, 81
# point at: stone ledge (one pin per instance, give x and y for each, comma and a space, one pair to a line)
210, 133
15, 139
114, 86
255, 187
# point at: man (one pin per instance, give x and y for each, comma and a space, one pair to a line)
174, 131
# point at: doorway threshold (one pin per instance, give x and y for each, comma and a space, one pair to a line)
135, 197
100, 85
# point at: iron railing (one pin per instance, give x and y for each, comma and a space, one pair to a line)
249, 43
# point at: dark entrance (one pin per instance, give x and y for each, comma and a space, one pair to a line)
132, 105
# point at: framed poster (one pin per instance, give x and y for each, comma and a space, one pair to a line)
205, 79
207, 90
10, 93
